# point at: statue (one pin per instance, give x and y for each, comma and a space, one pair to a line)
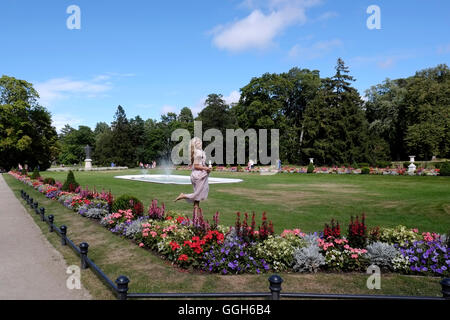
88, 161
88, 149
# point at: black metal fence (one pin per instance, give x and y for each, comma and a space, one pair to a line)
121, 286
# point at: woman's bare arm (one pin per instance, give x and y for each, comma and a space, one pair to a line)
200, 167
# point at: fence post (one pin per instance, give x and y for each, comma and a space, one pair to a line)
445, 283
51, 218
83, 254
21, 193
30, 202
42, 213
275, 286
122, 287
63, 229
36, 207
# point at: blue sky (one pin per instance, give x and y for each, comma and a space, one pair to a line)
152, 57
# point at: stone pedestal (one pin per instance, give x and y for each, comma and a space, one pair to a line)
412, 166
88, 164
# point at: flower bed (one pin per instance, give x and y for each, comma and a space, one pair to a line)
195, 243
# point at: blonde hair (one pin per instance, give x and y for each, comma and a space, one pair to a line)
193, 147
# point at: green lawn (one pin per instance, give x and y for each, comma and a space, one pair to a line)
301, 200
148, 273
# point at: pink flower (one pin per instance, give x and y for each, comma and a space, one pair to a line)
354, 256
163, 235
141, 244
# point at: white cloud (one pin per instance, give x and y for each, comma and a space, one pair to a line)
316, 50
258, 30
233, 97
60, 120
64, 88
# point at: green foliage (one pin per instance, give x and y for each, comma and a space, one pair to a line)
279, 251
70, 184
49, 180
411, 114
26, 132
445, 169
336, 130
399, 234
310, 168
383, 164
126, 202
73, 142
365, 170
35, 174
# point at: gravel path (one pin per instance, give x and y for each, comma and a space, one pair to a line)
30, 267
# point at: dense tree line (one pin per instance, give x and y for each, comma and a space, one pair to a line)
26, 133
321, 118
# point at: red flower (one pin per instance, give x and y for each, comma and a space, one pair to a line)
174, 245
183, 257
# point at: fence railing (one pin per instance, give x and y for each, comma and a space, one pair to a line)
120, 286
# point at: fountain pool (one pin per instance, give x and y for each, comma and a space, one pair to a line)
173, 179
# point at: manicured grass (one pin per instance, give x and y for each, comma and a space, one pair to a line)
300, 200
148, 273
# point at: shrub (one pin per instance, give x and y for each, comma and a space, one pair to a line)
365, 170
35, 174
310, 168
427, 257
445, 169
49, 180
398, 235
278, 251
363, 164
233, 256
95, 213
156, 213
382, 254
383, 164
126, 202
406, 164
308, 259
357, 232
334, 231
70, 184
339, 256
374, 234
249, 233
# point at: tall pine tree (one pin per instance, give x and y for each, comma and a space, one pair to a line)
123, 146
335, 125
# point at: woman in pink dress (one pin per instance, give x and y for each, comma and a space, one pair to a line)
199, 175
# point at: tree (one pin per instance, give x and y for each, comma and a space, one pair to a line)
26, 132
73, 143
411, 115
335, 124
216, 114
121, 139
